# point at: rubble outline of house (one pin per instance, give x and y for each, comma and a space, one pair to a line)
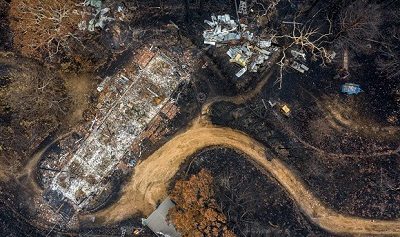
100, 151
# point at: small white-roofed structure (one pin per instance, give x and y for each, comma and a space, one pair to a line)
157, 221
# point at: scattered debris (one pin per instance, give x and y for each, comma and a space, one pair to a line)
105, 81
137, 231
240, 58
223, 30
144, 57
272, 103
241, 72
264, 44
299, 57
342, 74
299, 67
351, 88
99, 19
94, 3
249, 52
121, 8
242, 7
130, 104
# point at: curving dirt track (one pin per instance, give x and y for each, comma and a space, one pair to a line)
152, 176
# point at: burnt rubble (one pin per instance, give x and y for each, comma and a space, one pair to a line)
246, 49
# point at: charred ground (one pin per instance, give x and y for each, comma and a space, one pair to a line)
261, 208
344, 147
329, 139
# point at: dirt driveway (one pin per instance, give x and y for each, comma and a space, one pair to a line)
149, 183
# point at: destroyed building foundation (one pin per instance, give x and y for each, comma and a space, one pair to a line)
129, 104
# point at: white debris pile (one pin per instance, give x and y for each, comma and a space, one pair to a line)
141, 97
99, 19
250, 52
242, 7
299, 57
224, 29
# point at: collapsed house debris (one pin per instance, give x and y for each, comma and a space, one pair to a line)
299, 57
248, 51
129, 104
242, 7
299, 67
224, 29
98, 19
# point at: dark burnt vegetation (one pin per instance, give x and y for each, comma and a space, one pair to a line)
344, 147
355, 38
368, 32
326, 156
13, 225
359, 187
358, 25
5, 34
33, 105
329, 137
261, 208
125, 227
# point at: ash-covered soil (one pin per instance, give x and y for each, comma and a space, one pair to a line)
342, 146
349, 157
266, 209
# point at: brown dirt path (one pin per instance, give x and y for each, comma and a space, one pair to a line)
149, 183
336, 112
31, 167
240, 98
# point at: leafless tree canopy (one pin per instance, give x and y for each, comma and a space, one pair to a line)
267, 7
308, 38
388, 61
42, 28
238, 202
359, 25
389, 64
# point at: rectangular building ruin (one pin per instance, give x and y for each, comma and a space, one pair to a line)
129, 103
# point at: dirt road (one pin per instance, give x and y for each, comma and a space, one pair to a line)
152, 176
150, 180
240, 98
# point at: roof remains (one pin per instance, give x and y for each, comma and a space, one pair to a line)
158, 222
128, 106
250, 52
